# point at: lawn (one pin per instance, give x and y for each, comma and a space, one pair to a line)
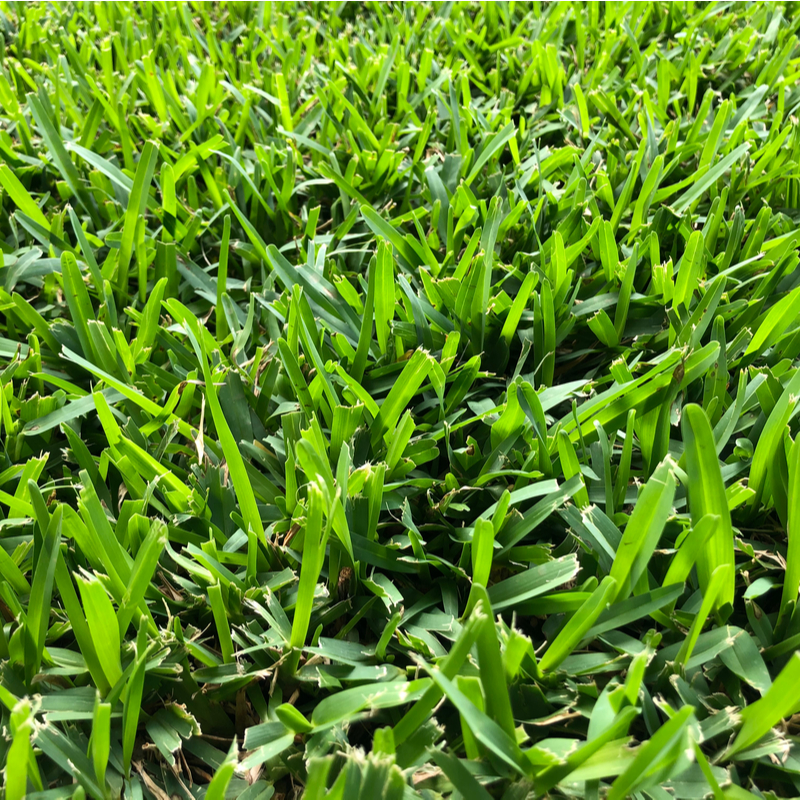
399, 400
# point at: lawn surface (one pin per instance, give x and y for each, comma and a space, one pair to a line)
398, 400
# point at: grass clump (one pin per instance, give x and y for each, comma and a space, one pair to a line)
398, 401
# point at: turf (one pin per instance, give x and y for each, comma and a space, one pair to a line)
398, 401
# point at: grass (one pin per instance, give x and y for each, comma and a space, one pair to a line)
399, 401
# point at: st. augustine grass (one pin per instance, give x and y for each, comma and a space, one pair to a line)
398, 401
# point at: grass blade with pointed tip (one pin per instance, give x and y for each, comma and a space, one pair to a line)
643, 530
707, 496
41, 593
137, 203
